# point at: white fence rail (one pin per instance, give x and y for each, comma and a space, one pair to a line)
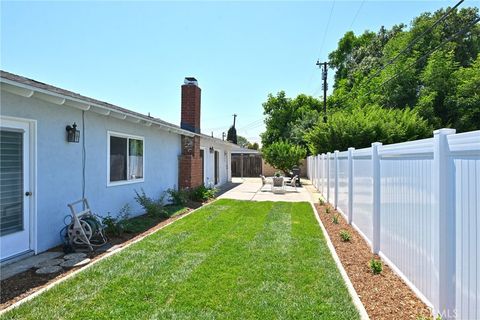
417, 204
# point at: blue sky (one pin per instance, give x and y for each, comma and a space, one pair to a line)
136, 54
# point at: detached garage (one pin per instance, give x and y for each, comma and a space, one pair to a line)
246, 163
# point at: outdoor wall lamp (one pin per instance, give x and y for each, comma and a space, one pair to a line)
73, 135
211, 149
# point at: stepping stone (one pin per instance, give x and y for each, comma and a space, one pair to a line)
10, 269
104, 248
75, 263
49, 270
48, 263
78, 255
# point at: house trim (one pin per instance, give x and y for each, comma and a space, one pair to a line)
32, 124
29, 88
85, 104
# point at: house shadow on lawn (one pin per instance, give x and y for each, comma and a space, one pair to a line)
227, 187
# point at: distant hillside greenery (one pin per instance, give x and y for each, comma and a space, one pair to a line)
429, 86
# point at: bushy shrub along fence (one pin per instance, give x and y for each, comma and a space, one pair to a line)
417, 204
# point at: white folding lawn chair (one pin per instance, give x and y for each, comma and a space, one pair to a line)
293, 183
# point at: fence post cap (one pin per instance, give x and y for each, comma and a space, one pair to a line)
376, 144
444, 131
351, 148
336, 151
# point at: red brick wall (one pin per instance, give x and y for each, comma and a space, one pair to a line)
191, 102
190, 163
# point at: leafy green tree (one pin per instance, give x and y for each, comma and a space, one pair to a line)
439, 86
253, 146
242, 142
467, 97
417, 78
388, 90
359, 127
283, 155
288, 119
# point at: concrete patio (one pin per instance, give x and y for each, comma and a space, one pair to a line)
251, 189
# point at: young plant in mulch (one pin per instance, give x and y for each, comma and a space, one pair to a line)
115, 226
335, 219
345, 236
177, 197
321, 201
327, 210
153, 207
439, 317
376, 266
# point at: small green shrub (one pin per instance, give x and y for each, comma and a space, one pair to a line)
345, 236
335, 219
428, 318
177, 197
321, 202
116, 226
376, 266
153, 208
111, 226
202, 193
327, 210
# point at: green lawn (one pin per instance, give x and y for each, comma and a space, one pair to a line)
229, 260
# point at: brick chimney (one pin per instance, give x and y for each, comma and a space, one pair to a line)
191, 93
190, 162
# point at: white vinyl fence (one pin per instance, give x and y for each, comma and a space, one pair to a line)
417, 204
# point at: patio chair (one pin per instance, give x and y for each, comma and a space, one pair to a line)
264, 183
293, 183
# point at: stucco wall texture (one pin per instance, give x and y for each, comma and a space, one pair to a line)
59, 163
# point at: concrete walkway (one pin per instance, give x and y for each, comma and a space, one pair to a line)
251, 189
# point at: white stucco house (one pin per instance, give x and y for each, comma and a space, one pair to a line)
117, 151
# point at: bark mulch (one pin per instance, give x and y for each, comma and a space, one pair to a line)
384, 295
26, 283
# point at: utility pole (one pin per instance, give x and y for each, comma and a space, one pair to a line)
223, 136
325, 86
234, 119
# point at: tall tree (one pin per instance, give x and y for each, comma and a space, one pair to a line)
242, 141
396, 68
289, 119
232, 135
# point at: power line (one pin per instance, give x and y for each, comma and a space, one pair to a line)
327, 27
459, 33
254, 123
411, 43
356, 14
322, 45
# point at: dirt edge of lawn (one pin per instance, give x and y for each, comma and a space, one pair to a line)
58, 278
385, 295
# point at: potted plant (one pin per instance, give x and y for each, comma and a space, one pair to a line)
278, 179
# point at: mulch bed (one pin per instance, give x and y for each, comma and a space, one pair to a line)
26, 283
385, 295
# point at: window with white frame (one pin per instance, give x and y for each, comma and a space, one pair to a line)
125, 158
